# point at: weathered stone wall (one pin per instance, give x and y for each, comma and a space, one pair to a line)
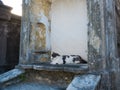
13, 40
9, 38
35, 25
38, 10
118, 24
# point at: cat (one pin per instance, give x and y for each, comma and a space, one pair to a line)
66, 59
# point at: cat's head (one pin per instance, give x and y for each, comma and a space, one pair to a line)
54, 55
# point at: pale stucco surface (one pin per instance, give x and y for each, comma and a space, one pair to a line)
69, 27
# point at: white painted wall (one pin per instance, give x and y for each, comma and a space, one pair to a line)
69, 27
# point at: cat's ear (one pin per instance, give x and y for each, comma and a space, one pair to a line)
82, 60
55, 54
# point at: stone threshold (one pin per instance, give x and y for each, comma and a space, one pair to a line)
81, 68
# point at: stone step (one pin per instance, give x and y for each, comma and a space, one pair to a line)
10, 75
84, 82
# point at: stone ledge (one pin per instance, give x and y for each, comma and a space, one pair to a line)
10, 75
81, 68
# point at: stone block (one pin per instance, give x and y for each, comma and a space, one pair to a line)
84, 82
10, 75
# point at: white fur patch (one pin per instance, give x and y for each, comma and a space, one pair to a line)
67, 60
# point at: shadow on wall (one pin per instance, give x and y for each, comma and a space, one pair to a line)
9, 38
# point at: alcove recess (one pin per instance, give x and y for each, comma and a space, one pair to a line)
54, 26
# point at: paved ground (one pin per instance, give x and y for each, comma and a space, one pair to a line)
30, 86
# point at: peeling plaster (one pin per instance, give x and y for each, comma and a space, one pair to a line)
39, 22
44, 20
95, 41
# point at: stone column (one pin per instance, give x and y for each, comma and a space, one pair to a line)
102, 43
102, 34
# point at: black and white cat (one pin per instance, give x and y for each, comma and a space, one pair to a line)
66, 59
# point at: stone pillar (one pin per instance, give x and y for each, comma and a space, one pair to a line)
102, 43
5, 16
102, 34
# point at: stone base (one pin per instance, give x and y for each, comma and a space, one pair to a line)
84, 82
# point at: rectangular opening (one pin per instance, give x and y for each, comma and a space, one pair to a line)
69, 29
60, 27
